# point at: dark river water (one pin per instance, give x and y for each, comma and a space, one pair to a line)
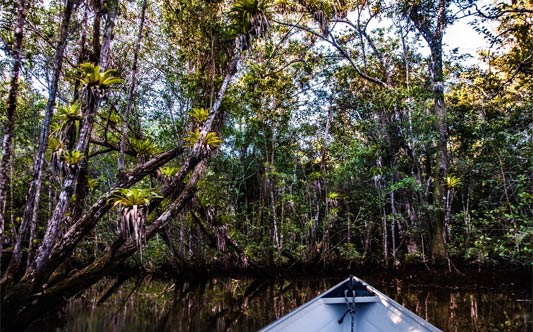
227, 304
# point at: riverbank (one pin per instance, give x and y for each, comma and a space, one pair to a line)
461, 273
237, 303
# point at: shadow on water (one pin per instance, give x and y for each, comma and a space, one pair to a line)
225, 304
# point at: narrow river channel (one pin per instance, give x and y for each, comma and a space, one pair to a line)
226, 304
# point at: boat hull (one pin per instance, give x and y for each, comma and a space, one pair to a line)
374, 312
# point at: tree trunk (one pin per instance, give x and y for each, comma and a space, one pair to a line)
32, 296
130, 91
438, 247
105, 52
432, 31
33, 198
69, 184
80, 186
11, 107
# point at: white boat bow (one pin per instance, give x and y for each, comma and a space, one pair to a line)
352, 306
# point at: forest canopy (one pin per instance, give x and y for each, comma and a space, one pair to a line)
256, 134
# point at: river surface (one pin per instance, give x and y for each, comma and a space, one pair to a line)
226, 304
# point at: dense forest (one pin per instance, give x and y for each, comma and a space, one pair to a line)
258, 135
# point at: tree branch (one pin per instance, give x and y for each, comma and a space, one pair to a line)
343, 52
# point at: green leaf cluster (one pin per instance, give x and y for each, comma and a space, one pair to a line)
90, 74
127, 197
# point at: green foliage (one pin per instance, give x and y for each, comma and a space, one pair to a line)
72, 157
333, 195
309, 141
192, 137
452, 181
127, 197
249, 17
7, 37
407, 183
93, 183
211, 139
69, 113
169, 171
199, 115
349, 252
91, 75
144, 147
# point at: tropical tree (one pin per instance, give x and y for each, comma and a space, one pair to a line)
95, 81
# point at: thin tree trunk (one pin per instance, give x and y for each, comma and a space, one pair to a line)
32, 202
384, 231
105, 52
393, 225
80, 186
131, 91
271, 187
385, 235
9, 124
95, 55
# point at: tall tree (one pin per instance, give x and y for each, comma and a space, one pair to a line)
129, 102
11, 107
431, 19
18, 301
29, 218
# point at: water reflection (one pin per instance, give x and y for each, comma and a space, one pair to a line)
247, 305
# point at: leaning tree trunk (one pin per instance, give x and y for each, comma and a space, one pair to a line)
113, 255
69, 184
11, 106
81, 186
35, 294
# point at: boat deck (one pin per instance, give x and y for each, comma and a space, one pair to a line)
374, 312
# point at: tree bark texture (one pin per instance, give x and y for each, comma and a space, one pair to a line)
11, 107
131, 90
432, 31
33, 198
105, 52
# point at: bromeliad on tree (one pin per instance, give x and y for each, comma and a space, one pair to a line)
133, 207
93, 79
